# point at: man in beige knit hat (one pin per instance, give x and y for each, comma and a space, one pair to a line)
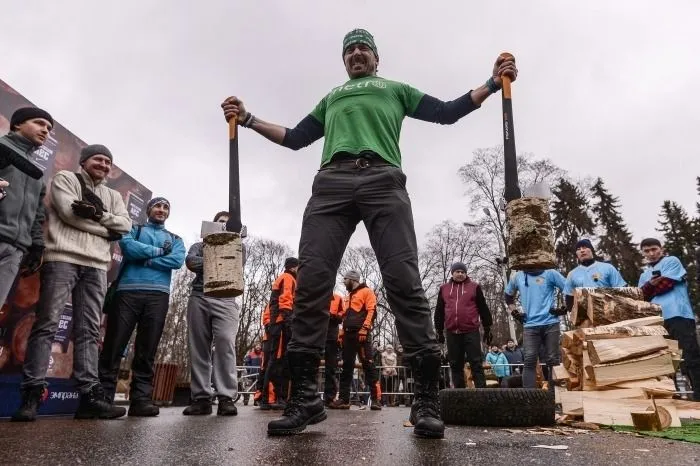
84, 216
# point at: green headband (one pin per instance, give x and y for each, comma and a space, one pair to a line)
359, 36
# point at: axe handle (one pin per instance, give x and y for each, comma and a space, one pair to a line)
234, 182
512, 187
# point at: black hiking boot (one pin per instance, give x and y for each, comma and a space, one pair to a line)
94, 405
143, 408
200, 407
425, 411
305, 406
339, 404
376, 405
226, 407
278, 405
31, 400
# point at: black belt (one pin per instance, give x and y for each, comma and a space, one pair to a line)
364, 160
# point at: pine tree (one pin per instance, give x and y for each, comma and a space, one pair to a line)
571, 220
615, 240
679, 240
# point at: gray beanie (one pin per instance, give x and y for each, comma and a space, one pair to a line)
353, 275
94, 149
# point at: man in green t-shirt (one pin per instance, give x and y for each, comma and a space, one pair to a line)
360, 179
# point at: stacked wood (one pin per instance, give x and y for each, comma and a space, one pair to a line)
530, 234
602, 306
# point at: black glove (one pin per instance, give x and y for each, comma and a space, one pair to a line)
32, 260
113, 235
167, 248
441, 337
518, 316
10, 157
87, 210
488, 336
558, 311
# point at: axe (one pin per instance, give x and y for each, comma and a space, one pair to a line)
512, 187
234, 182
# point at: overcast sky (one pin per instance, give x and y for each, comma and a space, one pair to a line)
605, 89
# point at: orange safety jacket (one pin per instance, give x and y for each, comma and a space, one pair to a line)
282, 297
359, 308
265, 320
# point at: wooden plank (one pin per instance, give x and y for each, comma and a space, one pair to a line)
572, 401
673, 345
560, 373
653, 383
652, 365
686, 409
619, 349
641, 322
617, 411
605, 332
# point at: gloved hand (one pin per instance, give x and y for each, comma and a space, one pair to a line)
92, 198
32, 260
3, 184
167, 248
341, 335
441, 337
113, 235
558, 311
518, 316
10, 157
488, 336
87, 210
362, 335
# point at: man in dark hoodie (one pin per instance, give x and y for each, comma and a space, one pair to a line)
22, 207
460, 307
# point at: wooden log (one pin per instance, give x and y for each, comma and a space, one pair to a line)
617, 412
641, 322
653, 383
572, 401
647, 420
560, 373
567, 339
611, 332
659, 363
605, 306
619, 349
223, 265
530, 234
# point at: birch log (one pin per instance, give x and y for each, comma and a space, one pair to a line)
223, 265
530, 235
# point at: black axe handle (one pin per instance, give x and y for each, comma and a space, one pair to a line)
512, 186
234, 181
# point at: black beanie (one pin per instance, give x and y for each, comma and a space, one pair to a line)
458, 266
94, 149
585, 243
650, 242
27, 113
291, 262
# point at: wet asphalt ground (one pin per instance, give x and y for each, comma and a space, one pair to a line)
354, 437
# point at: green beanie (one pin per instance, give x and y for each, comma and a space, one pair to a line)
359, 36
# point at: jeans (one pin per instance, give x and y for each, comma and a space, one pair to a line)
342, 196
533, 339
10, 260
87, 286
684, 330
145, 311
459, 345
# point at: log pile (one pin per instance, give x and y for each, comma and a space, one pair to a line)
617, 359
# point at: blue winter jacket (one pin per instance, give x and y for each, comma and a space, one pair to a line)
147, 267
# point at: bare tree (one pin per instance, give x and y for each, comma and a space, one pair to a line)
173, 343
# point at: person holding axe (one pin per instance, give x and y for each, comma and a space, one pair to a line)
360, 179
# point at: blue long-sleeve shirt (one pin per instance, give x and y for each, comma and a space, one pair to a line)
147, 268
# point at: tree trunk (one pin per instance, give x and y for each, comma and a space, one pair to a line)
223, 265
531, 240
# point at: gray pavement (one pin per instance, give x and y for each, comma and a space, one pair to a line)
347, 437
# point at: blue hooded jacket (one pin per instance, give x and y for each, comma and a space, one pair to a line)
147, 268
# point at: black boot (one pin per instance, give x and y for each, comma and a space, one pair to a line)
94, 405
144, 408
226, 407
31, 400
425, 411
201, 407
305, 406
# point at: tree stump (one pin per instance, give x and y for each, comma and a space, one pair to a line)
530, 236
223, 265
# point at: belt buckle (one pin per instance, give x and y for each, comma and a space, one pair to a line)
362, 162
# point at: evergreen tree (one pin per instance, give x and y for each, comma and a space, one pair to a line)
571, 220
679, 240
615, 240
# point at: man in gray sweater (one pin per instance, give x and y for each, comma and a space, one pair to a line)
84, 216
22, 204
211, 320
